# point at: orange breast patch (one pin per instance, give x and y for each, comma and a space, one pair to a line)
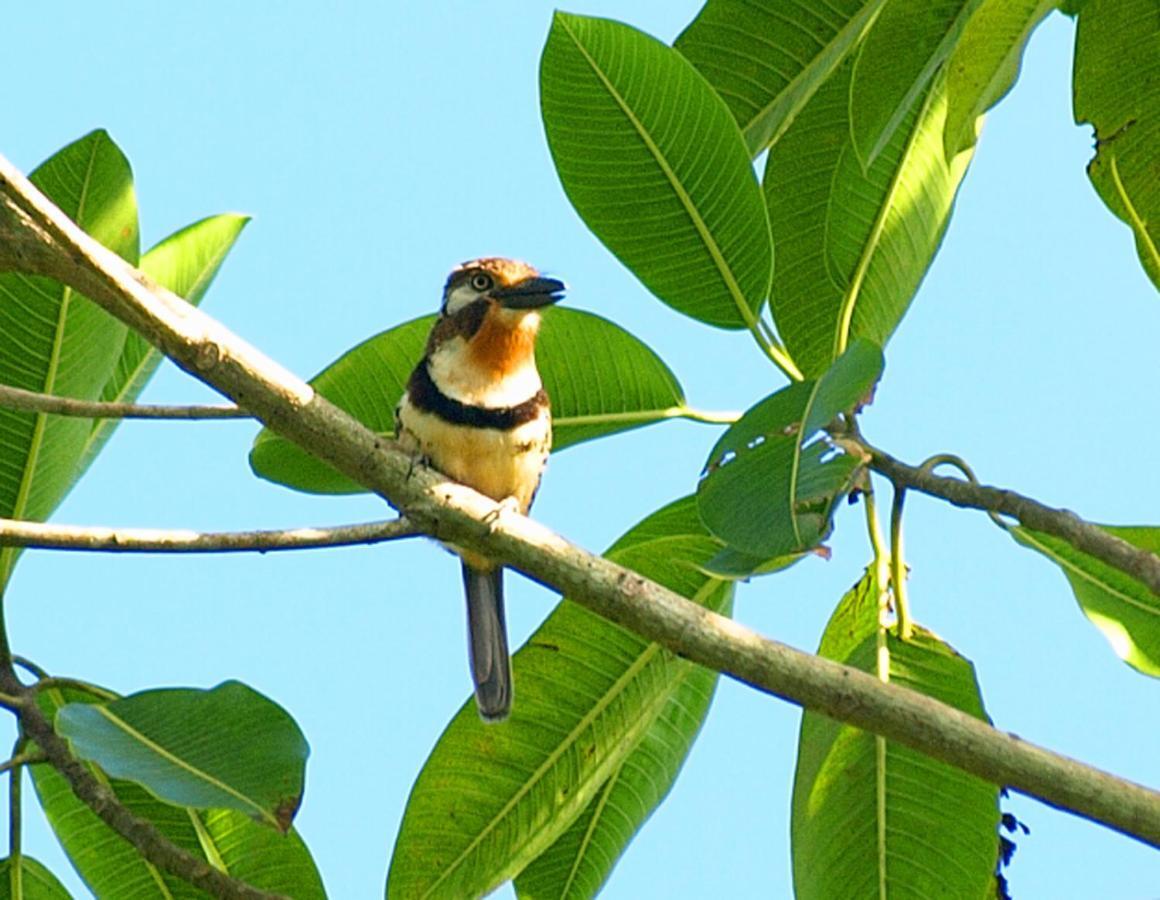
499, 348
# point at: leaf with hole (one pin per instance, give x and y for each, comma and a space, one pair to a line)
58, 342
655, 165
225, 748
766, 57
871, 818
772, 479
601, 723
601, 381
1125, 610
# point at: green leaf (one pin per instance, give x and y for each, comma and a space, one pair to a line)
736, 565
598, 712
57, 342
29, 880
186, 263
1125, 610
651, 158
582, 858
1117, 89
985, 62
766, 57
225, 748
853, 246
908, 43
874, 819
772, 480
228, 839
600, 378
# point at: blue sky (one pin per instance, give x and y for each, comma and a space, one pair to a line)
375, 150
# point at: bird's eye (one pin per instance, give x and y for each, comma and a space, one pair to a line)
481, 282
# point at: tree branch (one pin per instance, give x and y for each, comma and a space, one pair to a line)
30, 401
35, 235
1106, 547
16, 533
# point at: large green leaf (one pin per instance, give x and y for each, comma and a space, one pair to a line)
772, 480
651, 158
29, 880
1125, 610
57, 342
767, 57
853, 246
186, 263
985, 62
225, 748
1117, 90
600, 378
598, 713
900, 56
228, 839
874, 819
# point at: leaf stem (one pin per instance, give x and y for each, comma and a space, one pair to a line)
877, 543
769, 344
1134, 219
898, 566
19, 759
55, 681
15, 825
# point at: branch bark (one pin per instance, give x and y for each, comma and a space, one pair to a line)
31, 401
16, 533
1063, 523
42, 240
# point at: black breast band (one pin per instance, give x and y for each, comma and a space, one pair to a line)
425, 395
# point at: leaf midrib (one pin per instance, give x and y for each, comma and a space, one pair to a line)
181, 764
59, 700
874, 238
8, 554
1069, 567
726, 273
618, 687
860, 20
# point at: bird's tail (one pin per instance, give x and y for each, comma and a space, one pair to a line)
487, 641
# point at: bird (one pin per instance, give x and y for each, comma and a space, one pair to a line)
475, 410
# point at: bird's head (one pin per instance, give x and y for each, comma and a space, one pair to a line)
490, 315
507, 288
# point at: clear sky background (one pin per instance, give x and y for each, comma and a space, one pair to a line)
377, 148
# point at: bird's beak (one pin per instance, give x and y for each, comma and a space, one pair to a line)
531, 293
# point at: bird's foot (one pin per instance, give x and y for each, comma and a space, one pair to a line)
507, 506
418, 459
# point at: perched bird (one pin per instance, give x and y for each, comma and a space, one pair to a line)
476, 410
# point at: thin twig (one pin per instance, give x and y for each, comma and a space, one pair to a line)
31, 401
37, 237
22, 759
15, 533
1062, 523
